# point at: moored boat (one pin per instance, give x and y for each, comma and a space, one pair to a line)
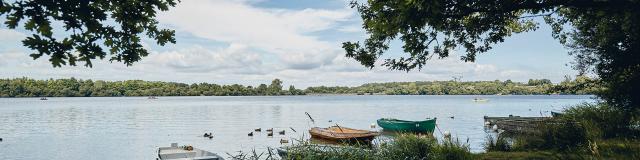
407, 126
176, 152
343, 134
480, 100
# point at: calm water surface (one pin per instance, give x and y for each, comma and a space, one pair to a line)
133, 127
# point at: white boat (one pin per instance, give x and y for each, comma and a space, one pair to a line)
480, 100
176, 152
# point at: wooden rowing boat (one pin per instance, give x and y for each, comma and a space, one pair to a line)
343, 134
407, 126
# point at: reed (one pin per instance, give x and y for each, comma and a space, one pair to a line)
587, 130
404, 146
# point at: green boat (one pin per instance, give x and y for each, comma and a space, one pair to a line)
407, 126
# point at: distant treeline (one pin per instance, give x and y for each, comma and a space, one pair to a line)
26, 87
579, 85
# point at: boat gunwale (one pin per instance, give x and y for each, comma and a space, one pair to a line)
393, 120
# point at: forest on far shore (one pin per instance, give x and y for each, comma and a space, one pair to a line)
72, 87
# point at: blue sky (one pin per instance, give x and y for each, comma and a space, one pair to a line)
254, 41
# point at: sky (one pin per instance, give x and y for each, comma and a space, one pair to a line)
298, 41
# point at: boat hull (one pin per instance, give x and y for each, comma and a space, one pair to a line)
407, 126
343, 134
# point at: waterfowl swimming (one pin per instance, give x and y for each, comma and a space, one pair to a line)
250, 134
270, 130
270, 134
258, 129
452, 117
206, 135
281, 132
284, 141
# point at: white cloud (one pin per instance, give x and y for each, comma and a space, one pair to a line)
237, 58
279, 31
10, 40
263, 44
11, 35
451, 66
351, 28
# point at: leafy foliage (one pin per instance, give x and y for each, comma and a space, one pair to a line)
606, 40
434, 27
89, 28
604, 35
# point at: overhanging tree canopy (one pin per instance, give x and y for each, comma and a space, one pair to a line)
88, 28
603, 39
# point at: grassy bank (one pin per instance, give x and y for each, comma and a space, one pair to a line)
586, 131
405, 146
411, 147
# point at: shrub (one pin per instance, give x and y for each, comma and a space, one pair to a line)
577, 129
561, 135
601, 121
407, 146
498, 143
453, 150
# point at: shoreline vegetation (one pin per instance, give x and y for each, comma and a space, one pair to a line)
584, 131
72, 87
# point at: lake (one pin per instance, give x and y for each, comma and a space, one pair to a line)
133, 127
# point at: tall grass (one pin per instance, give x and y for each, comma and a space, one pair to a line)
602, 121
405, 146
561, 135
313, 151
498, 143
271, 154
591, 129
